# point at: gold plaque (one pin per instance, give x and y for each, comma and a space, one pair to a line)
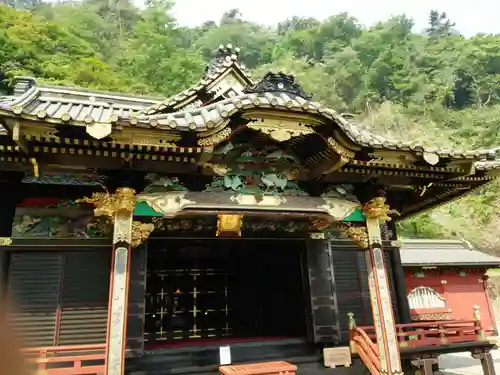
334, 357
229, 225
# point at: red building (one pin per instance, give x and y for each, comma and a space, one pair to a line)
445, 280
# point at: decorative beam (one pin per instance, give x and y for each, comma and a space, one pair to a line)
119, 208
376, 213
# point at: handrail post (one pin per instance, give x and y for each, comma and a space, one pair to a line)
352, 326
476, 314
442, 333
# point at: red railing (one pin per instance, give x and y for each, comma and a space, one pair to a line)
414, 335
66, 360
366, 349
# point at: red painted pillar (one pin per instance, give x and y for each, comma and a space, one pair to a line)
383, 318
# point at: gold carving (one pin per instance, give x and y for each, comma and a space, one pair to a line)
376, 208
341, 150
280, 130
5, 241
229, 225
215, 138
141, 138
140, 232
359, 235
430, 316
106, 204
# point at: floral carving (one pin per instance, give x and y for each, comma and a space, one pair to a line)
358, 234
140, 232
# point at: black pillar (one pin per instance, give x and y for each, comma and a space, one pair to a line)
10, 193
323, 295
399, 279
400, 286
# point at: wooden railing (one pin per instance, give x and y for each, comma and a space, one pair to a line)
66, 360
415, 335
362, 345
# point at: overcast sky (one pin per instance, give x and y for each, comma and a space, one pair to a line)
471, 17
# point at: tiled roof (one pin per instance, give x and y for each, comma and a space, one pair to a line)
67, 104
444, 253
80, 107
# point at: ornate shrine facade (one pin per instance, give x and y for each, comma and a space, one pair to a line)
235, 217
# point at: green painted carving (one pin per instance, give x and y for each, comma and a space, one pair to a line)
162, 184
143, 209
59, 227
356, 216
255, 182
56, 178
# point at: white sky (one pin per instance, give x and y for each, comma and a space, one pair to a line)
471, 17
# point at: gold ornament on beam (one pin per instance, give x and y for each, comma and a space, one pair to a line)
106, 204
229, 225
376, 208
359, 235
140, 232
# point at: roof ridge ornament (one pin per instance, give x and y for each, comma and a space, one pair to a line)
279, 82
225, 55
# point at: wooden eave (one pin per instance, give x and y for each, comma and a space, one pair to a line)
211, 125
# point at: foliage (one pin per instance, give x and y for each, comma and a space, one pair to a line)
438, 87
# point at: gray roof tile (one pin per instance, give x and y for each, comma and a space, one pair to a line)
444, 253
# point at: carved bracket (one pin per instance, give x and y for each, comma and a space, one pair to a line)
120, 207
376, 208
106, 204
140, 232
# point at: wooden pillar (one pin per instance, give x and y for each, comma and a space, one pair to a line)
383, 318
426, 364
119, 208
119, 282
487, 362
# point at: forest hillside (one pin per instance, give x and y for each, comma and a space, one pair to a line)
434, 86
